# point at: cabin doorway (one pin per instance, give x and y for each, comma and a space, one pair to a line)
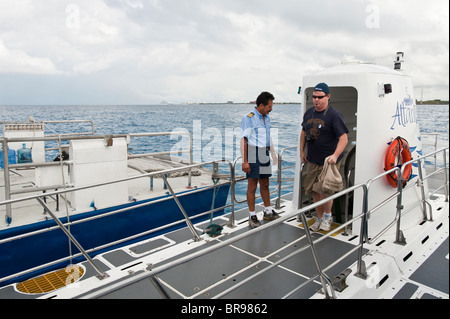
345, 100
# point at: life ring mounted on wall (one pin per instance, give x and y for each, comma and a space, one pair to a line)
398, 153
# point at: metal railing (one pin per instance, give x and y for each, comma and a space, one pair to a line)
398, 195
434, 144
33, 121
326, 282
279, 179
157, 270
66, 226
80, 136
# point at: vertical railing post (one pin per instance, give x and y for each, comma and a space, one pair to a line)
399, 237
8, 216
231, 221
280, 163
422, 191
445, 175
323, 277
191, 159
362, 270
101, 275
188, 221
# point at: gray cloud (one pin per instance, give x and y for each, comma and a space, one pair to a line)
146, 51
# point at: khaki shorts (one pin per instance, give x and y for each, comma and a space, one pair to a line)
312, 175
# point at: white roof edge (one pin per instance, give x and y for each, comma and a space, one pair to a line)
360, 67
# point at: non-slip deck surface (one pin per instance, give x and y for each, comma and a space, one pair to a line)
210, 274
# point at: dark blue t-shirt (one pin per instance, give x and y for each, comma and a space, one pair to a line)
323, 130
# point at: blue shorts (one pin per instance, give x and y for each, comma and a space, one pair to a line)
259, 160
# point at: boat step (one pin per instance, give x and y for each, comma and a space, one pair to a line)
333, 227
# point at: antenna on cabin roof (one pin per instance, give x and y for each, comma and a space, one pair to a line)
398, 61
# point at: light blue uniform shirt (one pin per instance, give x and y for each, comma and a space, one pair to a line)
255, 130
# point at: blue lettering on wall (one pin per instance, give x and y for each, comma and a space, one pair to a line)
405, 113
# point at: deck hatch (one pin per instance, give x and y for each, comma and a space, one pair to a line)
51, 281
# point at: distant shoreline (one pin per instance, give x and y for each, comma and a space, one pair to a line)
429, 102
232, 103
432, 102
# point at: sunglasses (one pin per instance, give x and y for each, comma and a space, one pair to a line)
318, 97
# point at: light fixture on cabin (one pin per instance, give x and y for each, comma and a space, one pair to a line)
384, 89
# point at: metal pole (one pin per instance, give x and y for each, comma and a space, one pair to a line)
191, 159
278, 202
231, 221
323, 277
8, 216
362, 270
101, 275
159, 287
188, 221
445, 176
422, 192
399, 237
347, 184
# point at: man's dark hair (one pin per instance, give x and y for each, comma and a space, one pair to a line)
264, 98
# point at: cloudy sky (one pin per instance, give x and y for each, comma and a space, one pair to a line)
146, 51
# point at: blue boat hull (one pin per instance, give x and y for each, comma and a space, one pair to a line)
32, 251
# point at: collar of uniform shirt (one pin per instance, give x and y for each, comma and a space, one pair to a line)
260, 115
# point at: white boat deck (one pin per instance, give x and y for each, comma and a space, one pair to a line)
272, 262
209, 275
396, 273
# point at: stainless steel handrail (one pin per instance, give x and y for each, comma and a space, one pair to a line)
363, 229
114, 212
435, 144
234, 181
67, 232
279, 176
33, 121
161, 173
399, 193
7, 166
361, 268
279, 179
227, 242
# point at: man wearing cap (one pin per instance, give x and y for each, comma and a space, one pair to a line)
256, 147
324, 134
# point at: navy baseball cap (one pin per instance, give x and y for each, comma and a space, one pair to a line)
323, 88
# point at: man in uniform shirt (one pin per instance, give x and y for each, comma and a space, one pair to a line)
256, 147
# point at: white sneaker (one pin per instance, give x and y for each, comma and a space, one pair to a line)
326, 223
316, 226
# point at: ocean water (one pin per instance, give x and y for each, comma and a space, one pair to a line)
435, 119
212, 125
215, 127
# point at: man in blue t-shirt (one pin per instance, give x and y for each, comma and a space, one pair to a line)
325, 134
256, 147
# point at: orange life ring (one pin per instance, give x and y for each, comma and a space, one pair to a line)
397, 154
